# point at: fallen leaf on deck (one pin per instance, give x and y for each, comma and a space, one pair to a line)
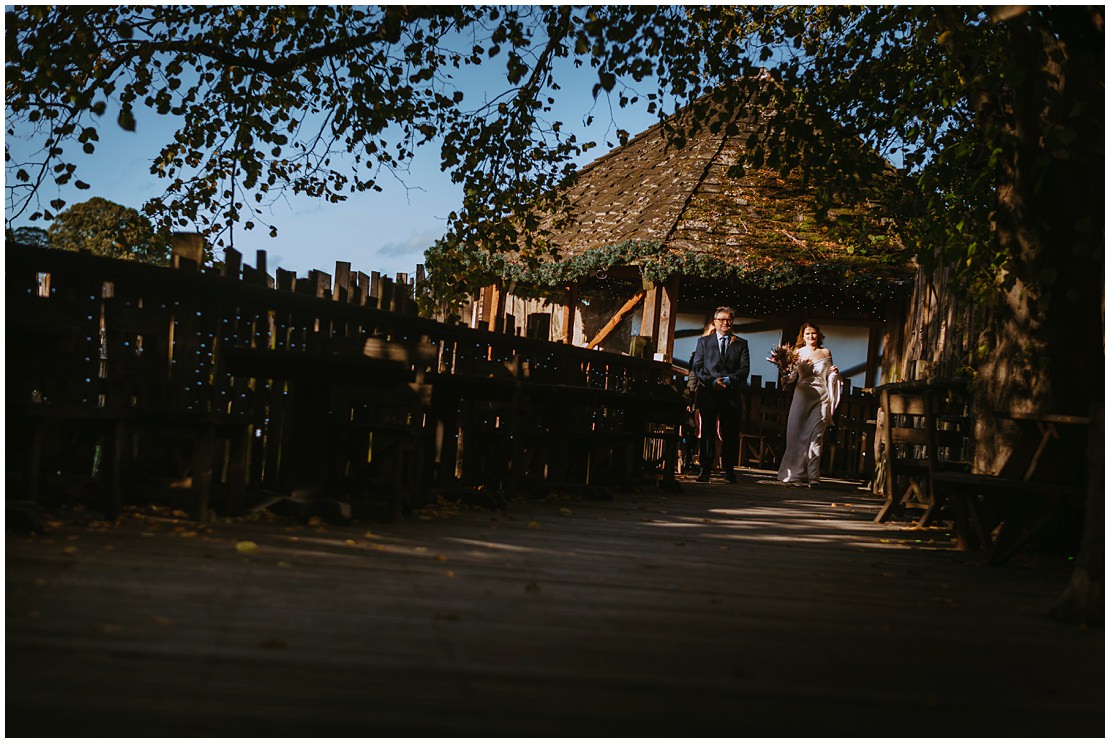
441, 557
69, 550
533, 524
351, 542
179, 514
566, 511
246, 548
450, 574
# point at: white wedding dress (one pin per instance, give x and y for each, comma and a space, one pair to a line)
815, 399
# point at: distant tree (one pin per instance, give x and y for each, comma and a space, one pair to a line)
35, 237
105, 228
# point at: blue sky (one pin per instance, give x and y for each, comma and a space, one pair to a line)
386, 231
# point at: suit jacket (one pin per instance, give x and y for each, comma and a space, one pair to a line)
709, 366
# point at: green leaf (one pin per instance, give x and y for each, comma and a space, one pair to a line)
126, 120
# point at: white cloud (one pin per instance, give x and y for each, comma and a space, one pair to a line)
413, 245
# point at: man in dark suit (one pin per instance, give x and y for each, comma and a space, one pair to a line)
721, 364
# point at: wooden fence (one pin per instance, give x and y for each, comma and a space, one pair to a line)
848, 450
211, 387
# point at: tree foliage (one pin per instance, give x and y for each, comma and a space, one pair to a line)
326, 101
315, 100
105, 228
35, 237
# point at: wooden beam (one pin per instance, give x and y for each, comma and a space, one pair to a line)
615, 319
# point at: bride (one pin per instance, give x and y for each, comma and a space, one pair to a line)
815, 398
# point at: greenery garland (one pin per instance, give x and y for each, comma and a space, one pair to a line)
455, 274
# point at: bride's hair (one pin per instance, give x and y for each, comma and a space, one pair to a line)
802, 335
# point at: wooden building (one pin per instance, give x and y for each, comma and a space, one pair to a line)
662, 235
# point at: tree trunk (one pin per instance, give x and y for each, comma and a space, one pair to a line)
1047, 351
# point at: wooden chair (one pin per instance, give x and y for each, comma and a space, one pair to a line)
918, 441
753, 445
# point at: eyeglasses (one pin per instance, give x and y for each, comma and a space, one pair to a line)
723, 319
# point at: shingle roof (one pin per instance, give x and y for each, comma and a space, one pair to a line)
687, 201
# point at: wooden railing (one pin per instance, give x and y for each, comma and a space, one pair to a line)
132, 380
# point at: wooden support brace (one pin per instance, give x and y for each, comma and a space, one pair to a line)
615, 319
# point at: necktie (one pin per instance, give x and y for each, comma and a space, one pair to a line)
724, 345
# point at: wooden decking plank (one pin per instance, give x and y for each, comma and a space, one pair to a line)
733, 610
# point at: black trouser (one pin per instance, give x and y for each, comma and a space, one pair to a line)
729, 416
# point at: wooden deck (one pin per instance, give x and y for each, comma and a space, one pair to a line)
724, 610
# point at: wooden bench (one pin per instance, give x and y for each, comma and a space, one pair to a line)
1043, 478
349, 421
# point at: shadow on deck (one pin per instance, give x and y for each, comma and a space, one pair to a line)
724, 610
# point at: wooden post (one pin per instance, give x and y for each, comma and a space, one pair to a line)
874, 341
363, 295
188, 250
385, 293
320, 283
286, 280
375, 289
668, 313
496, 302
649, 325
569, 308
233, 262
258, 274
341, 290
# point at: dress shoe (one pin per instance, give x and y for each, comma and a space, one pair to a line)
704, 476
730, 475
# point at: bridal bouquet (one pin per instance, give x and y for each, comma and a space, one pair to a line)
784, 357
